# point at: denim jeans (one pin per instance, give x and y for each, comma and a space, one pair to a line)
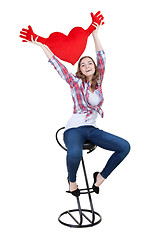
74, 139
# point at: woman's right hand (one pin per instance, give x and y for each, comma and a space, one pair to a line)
35, 41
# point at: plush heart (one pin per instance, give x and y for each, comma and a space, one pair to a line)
67, 48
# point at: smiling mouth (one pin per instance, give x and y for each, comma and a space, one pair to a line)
88, 70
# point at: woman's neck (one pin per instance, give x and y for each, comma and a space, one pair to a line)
89, 79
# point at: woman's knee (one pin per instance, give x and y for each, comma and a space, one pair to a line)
126, 147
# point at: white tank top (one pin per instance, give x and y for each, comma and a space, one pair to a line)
78, 120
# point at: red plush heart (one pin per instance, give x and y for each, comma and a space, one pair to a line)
67, 48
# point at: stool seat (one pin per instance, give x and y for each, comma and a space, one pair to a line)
86, 146
89, 146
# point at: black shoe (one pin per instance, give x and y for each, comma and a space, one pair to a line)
95, 188
76, 192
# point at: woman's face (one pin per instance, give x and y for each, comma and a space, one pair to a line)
87, 67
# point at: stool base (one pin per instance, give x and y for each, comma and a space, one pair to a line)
80, 224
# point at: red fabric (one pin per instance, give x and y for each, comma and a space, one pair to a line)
67, 48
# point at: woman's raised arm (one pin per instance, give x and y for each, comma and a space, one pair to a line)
97, 43
29, 36
46, 49
60, 68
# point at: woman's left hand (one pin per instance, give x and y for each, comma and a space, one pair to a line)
95, 32
97, 21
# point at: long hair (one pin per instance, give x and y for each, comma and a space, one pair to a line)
95, 77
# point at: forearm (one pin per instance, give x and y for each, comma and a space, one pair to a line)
45, 48
63, 71
97, 43
47, 51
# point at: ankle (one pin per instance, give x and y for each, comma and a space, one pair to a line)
99, 180
72, 186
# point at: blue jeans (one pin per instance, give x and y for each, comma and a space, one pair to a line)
74, 139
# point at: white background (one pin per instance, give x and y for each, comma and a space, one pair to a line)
35, 102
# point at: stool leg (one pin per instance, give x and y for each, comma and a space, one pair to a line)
80, 211
80, 224
89, 194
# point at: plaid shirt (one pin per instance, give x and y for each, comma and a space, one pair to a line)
79, 89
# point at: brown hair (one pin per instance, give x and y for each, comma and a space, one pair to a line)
95, 77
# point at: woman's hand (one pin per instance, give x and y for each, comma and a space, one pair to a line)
95, 32
97, 20
36, 42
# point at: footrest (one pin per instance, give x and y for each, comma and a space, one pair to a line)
84, 191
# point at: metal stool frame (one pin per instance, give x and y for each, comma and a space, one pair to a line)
93, 215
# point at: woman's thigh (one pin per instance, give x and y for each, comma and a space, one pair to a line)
73, 139
108, 141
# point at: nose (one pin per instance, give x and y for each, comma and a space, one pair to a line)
87, 66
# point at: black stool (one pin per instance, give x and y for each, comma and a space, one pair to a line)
90, 215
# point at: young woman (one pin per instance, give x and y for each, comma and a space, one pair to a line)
86, 90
